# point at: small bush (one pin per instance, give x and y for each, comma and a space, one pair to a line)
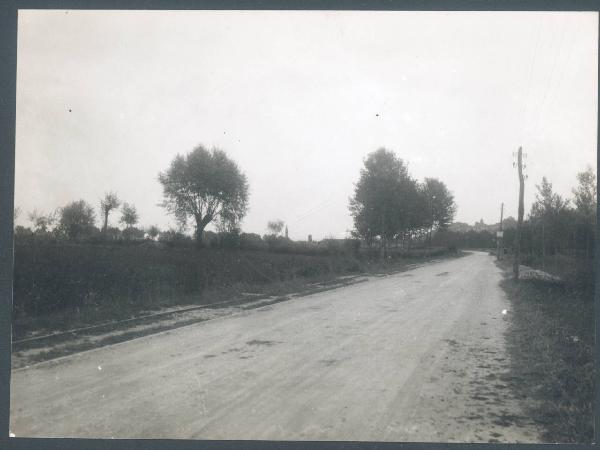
133, 234
229, 239
252, 241
174, 238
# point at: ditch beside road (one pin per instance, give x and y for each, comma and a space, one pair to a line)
414, 356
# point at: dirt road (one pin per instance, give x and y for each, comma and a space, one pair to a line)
415, 356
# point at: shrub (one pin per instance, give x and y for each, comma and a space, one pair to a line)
77, 221
352, 246
252, 241
229, 239
279, 243
133, 234
112, 234
23, 233
174, 238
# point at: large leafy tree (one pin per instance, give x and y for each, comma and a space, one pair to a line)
550, 213
205, 186
438, 205
385, 198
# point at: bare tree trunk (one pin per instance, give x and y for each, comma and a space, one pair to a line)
201, 223
105, 227
198, 236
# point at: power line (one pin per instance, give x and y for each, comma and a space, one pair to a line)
557, 85
539, 109
531, 67
313, 209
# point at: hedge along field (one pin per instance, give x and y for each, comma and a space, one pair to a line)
52, 277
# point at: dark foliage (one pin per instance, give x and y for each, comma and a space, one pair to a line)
551, 342
205, 186
77, 221
390, 206
54, 276
470, 240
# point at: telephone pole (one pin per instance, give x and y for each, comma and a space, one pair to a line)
500, 235
520, 216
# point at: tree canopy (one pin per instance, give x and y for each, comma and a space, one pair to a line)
389, 203
77, 219
382, 196
275, 227
206, 186
129, 215
439, 204
585, 195
41, 222
153, 232
550, 215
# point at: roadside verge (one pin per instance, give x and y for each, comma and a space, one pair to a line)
47, 344
550, 340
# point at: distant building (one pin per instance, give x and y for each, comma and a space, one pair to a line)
461, 227
480, 226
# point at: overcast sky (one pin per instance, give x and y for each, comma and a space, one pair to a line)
105, 100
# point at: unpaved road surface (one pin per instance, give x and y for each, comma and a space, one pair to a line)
414, 356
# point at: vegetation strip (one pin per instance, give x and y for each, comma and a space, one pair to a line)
119, 322
245, 304
551, 341
237, 301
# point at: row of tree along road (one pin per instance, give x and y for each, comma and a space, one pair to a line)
59, 266
389, 208
554, 225
205, 187
56, 268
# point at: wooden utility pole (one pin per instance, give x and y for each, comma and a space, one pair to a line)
520, 216
500, 235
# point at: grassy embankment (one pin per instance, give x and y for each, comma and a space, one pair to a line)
61, 286
551, 341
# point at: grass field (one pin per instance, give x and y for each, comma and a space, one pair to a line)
64, 286
551, 341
